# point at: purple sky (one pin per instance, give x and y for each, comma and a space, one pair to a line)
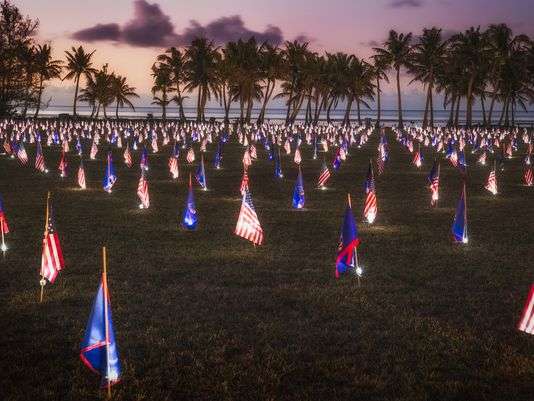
129, 34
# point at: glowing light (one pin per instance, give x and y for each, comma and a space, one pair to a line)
371, 217
3, 247
46, 171
205, 189
465, 240
359, 271
141, 206
322, 188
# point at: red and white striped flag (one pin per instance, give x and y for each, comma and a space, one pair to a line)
247, 161
370, 208
190, 156
528, 177
142, 192
127, 156
244, 182
62, 167
324, 176
298, 157
52, 258
173, 167
526, 323
81, 176
94, 151
491, 184
248, 225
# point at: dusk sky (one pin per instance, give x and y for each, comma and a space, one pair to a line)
129, 34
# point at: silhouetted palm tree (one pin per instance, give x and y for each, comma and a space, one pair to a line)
380, 67
162, 83
121, 93
78, 64
397, 53
46, 69
175, 61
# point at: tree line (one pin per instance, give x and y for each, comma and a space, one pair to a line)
493, 67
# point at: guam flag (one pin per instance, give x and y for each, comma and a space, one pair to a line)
200, 174
337, 160
99, 348
189, 217
217, 161
298, 192
109, 176
348, 243
278, 165
459, 227
143, 163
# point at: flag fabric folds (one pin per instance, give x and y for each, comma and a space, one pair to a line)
348, 243
248, 225
189, 216
81, 175
99, 348
142, 192
526, 323
52, 257
298, 192
433, 181
109, 177
3, 220
459, 226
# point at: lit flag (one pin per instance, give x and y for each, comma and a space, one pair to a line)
491, 184
459, 226
324, 176
189, 217
99, 349
39, 158
526, 323
433, 183
370, 207
244, 183
3, 220
190, 156
52, 257
200, 174
142, 192
109, 177
298, 192
81, 175
248, 225
127, 156
348, 243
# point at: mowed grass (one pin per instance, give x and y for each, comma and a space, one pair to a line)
206, 316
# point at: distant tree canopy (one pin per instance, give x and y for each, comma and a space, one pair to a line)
18, 82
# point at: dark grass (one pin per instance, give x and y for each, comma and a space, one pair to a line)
204, 315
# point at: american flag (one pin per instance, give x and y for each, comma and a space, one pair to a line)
142, 192
417, 159
526, 323
370, 180
81, 176
94, 151
433, 180
127, 156
248, 225
39, 159
173, 166
287, 147
52, 257
324, 176
190, 156
244, 182
528, 177
482, 158
380, 165
491, 184
298, 157
247, 161
370, 208
21, 154
7, 146
62, 167
253, 152
3, 221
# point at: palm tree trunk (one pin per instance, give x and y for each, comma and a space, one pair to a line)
378, 106
451, 115
469, 106
346, 119
117, 110
490, 113
483, 110
399, 100
425, 117
358, 108
39, 97
76, 94
198, 102
502, 112
457, 115
431, 104
180, 103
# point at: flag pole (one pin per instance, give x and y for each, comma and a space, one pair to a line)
355, 248
42, 282
106, 317
3, 240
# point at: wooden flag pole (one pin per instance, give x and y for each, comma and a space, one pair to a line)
42, 282
106, 317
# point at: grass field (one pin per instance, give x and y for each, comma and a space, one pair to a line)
206, 316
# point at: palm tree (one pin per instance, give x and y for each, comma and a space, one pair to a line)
162, 83
121, 93
427, 57
78, 64
175, 62
99, 91
397, 53
380, 67
294, 55
270, 71
360, 87
472, 48
201, 72
46, 69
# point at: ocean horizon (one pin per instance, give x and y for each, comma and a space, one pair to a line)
441, 117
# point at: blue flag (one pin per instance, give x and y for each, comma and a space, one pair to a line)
109, 176
143, 164
459, 227
99, 349
218, 155
189, 217
298, 192
278, 165
200, 174
348, 243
